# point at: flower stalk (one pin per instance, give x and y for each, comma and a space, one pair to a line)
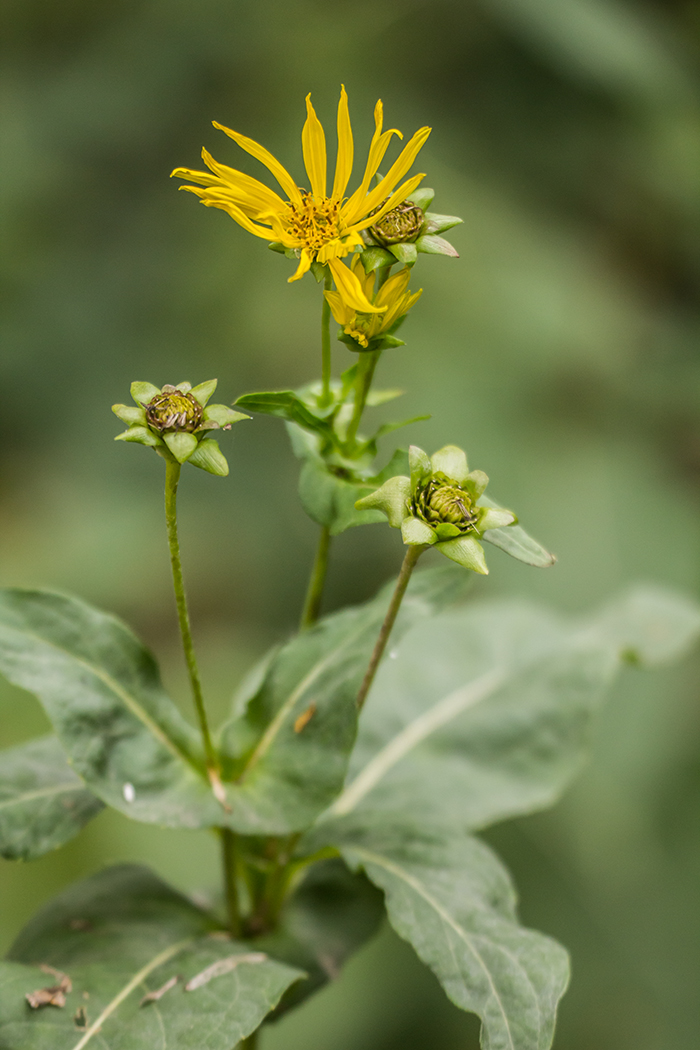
172, 477
409, 564
229, 857
314, 594
326, 343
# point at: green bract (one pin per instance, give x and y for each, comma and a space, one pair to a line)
175, 421
407, 230
437, 506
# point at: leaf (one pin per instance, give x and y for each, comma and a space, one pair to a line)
43, 804
119, 936
283, 779
485, 712
101, 689
451, 898
329, 498
515, 541
286, 404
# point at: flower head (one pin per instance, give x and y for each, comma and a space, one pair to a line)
438, 506
372, 331
175, 421
314, 226
407, 230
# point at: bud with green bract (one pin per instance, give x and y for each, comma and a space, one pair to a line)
176, 422
438, 506
406, 231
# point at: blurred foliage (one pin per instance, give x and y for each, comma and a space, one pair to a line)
561, 350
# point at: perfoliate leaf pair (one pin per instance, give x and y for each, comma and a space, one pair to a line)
438, 506
175, 421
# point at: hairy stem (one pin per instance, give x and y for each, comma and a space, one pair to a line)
326, 343
363, 382
228, 856
172, 477
409, 563
314, 594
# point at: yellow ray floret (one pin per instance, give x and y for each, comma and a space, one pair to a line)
317, 227
393, 298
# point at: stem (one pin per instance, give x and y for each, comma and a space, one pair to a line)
409, 563
228, 856
172, 476
326, 343
382, 275
365, 374
314, 594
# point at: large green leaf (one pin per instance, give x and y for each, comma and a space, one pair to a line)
451, 898
485, 712
102, 692
119, 936
42, 802
282, 772
288, 405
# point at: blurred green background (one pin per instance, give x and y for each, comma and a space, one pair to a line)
561, 349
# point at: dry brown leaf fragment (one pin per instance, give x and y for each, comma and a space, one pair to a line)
221, 967
304, 718
53, 995
158, 993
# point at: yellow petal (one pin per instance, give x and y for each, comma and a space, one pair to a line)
366, 279
265, 157
401, 194
396, 172
394, 287
304, 264
353, 208
350, 289
343, 164
248, 188
342, 313
235, 213
313, 144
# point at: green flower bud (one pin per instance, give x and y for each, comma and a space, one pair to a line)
175, 421
399, 225
438, 506
174, 410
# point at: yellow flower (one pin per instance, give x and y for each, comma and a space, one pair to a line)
393, 299
318, 227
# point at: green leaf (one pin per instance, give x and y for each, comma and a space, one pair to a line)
515, 541
431, 244
381, 397
423, 197
223, 415
43, 804
440, 223
285, 404
329, 499
285, 777
102, 692
451, 898
485, 712
118, 936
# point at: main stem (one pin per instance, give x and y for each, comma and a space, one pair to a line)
314, 594
326, 343
228, 855
172, 477
409, 563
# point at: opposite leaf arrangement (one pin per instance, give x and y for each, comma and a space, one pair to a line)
343, 786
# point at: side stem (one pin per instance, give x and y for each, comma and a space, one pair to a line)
228, 856
172, 477
365, 374
326, 343
409, 563
314, 594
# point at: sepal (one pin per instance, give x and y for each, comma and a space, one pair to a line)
440, 223
431, 244
375, 257
208, 456
405, 252
451, 461
203, 391
416, 533
391, 499
142, 435
142, 393
180, 444
466, 552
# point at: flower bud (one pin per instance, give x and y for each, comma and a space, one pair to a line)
399, 225
442, 501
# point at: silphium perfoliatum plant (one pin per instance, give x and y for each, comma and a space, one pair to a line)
406, 231
438, 506
177, 421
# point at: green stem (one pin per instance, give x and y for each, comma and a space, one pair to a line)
409, 563
228, 856
382, 275
365, 374
172, 477
314, 594
326, 343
